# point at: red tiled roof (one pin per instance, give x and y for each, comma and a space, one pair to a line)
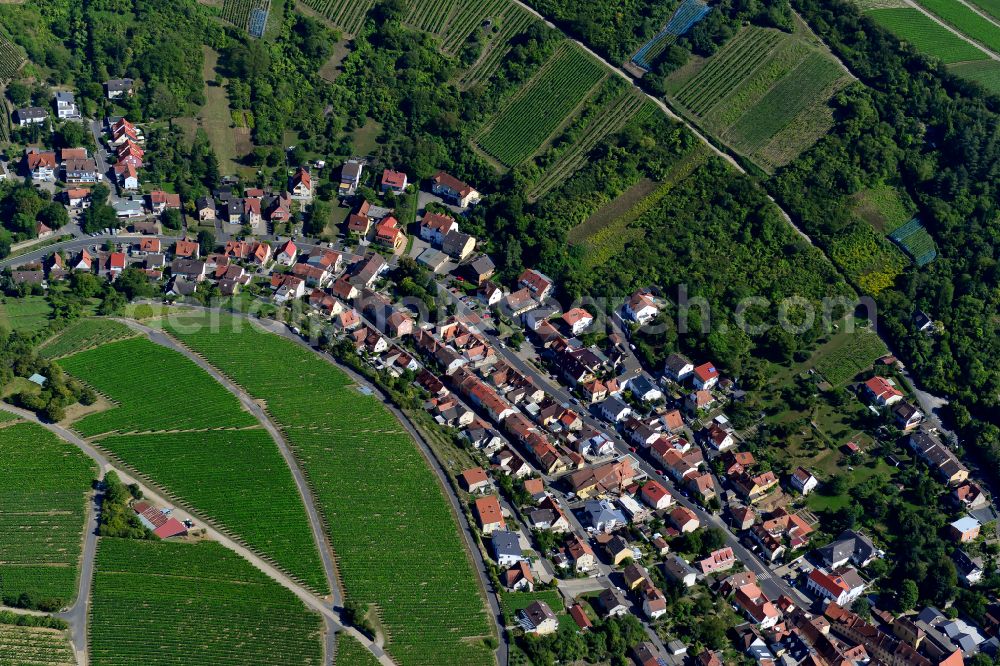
706, 371
393, 178
441, 178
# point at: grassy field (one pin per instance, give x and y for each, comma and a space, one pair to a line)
366, 472
541, 105
611, 211
43, 496
364, 139
34, 646
765, 93
216, 119
240, 481
854, 354
868, 258
30, 313
985, 72
156, 603
352, 653
83, 334
926, 36
155, 388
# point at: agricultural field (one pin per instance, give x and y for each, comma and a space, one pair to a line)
11, 58
365, 470
238, 480
867, 258
44, 496
34, 646
966, 21
601, 121
156, 602
537, 110
84, 334
991, 7
765, 93
30, 313
346, 15
916, 242
468, 16
155, 389
926, 36
857, 353
984, 72
884, 207
240, 12
352, 653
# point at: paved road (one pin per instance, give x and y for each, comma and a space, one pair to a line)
308, 598
305, 493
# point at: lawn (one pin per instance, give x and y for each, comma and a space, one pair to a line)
364, 139
818, 501
155, 388
156, 602
855, 353
34, 646
46, 482
369, 478
84, 334
30, 313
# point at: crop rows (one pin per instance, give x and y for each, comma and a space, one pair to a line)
926, 36
34, 646
608, 120
157, 602
808, 127
986, 73
991, 7
470, 15
546, 100
497, 47
430, 15
396, 540
348, 15
856, 355
968, 22
352, 653
84, 334
727, 69
42, 513
11, 58
790, 96
155, 389
239, 480
916, 242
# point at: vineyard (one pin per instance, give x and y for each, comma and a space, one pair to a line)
925, 35
34, 646
430, 15
365, 471
966, 21
916, 242
249, 15
11, 58
985, 72
603, 121
468, 17
497, 46
352, 653
347, 15
84, 334
686, 15
155, 389
765, 94
541, 106
991, 7
856, 355
43, 500
239, 481
156, 602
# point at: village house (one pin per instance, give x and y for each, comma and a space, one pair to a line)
539, 284
684, 520
286, 254
435, 226
389, 234
474, 480
906, 416
942, 461
705, 377
40, 164
580, 554
479, 270
204, 208
519, 578
453, 190
393, 181
964, 530
656, 495
66, 107
613, 602
537, 618
754, 487
640, 308
756, 606
489, 516
77, 197
506, 547
118, 88
717, 438
803, 480
458, 245
676, 569
31, 115
350, 177
127, 176
882, 392
160, 201
722, 559
80, 170
186, 248
677, 367
843, 587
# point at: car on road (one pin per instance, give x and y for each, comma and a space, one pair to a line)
660, 472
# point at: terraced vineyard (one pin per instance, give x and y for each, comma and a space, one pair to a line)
926, 36
156, 602
239, 480
84, 334
34, 646
535, 112
348, 15
43, 498
11, 58
430, 15
155, 389
511, 24
605, 121
366, 472
765, 94
470, 15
